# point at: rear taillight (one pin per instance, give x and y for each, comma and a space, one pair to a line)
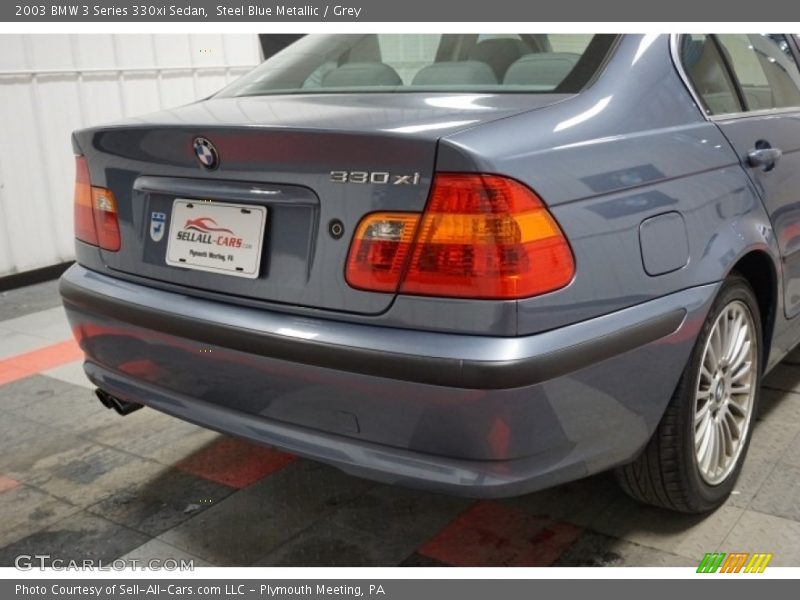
380, 251
105, 218
96, 220
481, 236
84, 219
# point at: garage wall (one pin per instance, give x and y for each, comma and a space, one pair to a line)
53, 84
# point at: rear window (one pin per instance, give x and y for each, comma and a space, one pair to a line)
557, 63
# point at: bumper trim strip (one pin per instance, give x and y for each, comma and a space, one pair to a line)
450, 371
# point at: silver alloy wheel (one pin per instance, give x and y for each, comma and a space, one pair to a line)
725, 393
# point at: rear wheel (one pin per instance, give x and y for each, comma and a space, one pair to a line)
694, 458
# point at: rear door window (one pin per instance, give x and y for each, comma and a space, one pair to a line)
702, 60
765, 68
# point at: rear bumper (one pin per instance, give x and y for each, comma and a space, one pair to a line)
482, 416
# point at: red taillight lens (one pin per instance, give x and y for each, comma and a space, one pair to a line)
380, 250
481, 236
96, 220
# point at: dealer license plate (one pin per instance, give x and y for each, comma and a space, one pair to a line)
217, 237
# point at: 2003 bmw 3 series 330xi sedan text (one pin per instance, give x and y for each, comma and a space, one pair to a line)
478, 264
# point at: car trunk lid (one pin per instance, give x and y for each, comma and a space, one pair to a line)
288, 180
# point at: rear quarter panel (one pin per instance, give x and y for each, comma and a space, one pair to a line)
631, 147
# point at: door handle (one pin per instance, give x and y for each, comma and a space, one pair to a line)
764, 157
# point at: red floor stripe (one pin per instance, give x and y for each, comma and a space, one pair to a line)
235, 463
7, 484
489, 534
35, 361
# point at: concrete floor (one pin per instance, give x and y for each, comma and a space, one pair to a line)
77, 481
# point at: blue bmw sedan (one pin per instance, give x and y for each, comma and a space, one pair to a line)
478, 264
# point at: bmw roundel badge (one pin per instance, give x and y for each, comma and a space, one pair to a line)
206, 153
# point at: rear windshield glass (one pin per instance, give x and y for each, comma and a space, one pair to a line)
557, 63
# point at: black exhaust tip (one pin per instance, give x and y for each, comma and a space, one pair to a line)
123, 407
